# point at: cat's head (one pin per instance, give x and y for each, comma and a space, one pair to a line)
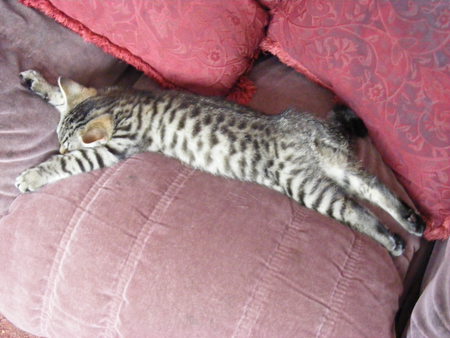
84, 123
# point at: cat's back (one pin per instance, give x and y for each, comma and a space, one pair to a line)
176, 113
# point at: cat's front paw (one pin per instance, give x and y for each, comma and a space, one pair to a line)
34, 81
30, 180
29, 78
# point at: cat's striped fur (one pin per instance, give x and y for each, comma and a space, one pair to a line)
307, 159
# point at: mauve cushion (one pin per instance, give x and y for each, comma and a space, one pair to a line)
200, 45
389, 61
151, 247
30, 40
431, 315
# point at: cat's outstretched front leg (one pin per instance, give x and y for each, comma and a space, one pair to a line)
35, 82
62, 166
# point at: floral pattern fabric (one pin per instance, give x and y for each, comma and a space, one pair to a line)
200, 45
389, 60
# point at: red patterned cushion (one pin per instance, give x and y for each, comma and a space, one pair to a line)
389, 60
201, 45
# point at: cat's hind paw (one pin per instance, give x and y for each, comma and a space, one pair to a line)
30, 180
411, 220
399, 246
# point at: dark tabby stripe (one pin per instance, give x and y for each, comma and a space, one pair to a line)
289, 187
116, 152
195, 112
343, 209
301, 197
220, 118
242, 166
162, 132
242, 125
182, 122
331, 204
320, 196
80, 163
214, 140
168, 105
207, 120
99, 159
172, 115
64, 164
197, 128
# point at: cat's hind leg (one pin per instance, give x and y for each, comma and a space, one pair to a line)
368, 187
350, 212
316, 191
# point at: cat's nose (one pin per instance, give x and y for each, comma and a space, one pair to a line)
62, 150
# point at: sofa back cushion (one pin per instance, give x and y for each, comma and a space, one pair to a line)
389, 61
200, 45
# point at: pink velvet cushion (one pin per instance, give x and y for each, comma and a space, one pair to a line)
30, 40
200, 45
151, 247
389, 61
431, 314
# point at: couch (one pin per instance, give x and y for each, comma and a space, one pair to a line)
153, 248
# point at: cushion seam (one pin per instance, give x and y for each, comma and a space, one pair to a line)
341, 288
135, 253
52, 283
272, 267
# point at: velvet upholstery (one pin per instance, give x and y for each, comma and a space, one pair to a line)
26, 124
151, 247
431, 315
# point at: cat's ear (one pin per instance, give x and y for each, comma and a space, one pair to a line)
98, 130
73, 92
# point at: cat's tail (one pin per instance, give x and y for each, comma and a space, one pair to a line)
347, 120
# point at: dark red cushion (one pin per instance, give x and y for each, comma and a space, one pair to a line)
200, 45
389, 61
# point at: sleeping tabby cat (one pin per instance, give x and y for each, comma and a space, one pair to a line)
294, 153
